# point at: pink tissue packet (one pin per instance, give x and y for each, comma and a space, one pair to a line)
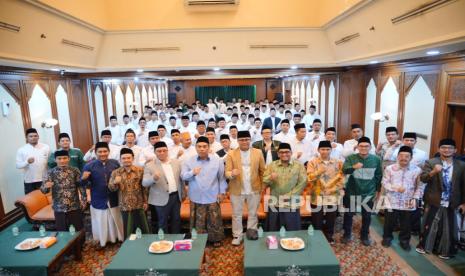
182, 245
271, 242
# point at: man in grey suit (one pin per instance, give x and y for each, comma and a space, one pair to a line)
162, 175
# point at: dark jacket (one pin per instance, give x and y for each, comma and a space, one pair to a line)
433, 190
269, 123
274, 149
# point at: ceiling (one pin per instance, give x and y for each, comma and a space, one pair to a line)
123, 15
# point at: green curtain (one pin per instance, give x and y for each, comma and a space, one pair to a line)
245, 92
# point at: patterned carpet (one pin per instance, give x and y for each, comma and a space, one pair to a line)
355, 259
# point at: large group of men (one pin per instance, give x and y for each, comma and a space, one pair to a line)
248, 151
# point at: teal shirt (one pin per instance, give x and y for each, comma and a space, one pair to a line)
76, 159
365, 181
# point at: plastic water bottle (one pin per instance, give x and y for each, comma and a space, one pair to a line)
282, 231
193, 234
138, 233
15, 230
72, 230
42, 230
260, 232
310, 230
161, 234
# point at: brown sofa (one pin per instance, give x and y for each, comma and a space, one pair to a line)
37, 208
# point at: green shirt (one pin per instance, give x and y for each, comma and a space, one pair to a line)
290, 182
365, 181
76, 159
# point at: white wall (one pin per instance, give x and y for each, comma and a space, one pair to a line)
11, 179
64, 120
119, 104
98, 95
419, 100
370, 108
389, 106
331, 104
40, 110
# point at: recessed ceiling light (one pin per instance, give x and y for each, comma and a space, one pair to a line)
140, 70
432, 52
373, 62
136, 79
55, 69
293, 67
216, 69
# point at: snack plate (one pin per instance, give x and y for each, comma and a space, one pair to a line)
292, 244
28, 244
161, 247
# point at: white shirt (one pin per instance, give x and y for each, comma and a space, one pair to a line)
173, 151
187, 153
215, 146
152, 125
146, 154
116, 134
234, 144
168, 170
167, 141
142, 138
316, 137
418, 156
308, 119
125, 128
349, 148
114, 153
243, 125
37, 170
305, 147
255, 134
192, 131
281, 116
284, 137
245, 162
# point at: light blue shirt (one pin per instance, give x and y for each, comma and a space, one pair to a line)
204, 187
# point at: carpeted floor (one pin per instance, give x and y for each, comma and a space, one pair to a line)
355, 259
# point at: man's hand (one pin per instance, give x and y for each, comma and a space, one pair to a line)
398, 143
117, 179
274, 176
235, 172
196, 171
400, 189
196, 136
357, 166
48, 184
321, 170
379, 146
180, 153
145, 206
156, 176
437, 169
30, 160
299, 154
333, 145
315, 137
85, 175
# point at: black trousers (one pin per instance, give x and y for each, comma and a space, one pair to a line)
170, 214
324, 218
63, 220
390, 219
348, 218
153, 218
416, 220
288, 218
29, 187
430, 213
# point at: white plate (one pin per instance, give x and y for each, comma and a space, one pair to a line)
299, 241
33, 243
169, 247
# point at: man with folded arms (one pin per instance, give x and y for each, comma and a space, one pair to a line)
64, 181
207, 186
163, 177
127, 180
287, 179
244, 169
365, 172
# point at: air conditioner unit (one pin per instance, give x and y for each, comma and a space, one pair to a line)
192, 3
